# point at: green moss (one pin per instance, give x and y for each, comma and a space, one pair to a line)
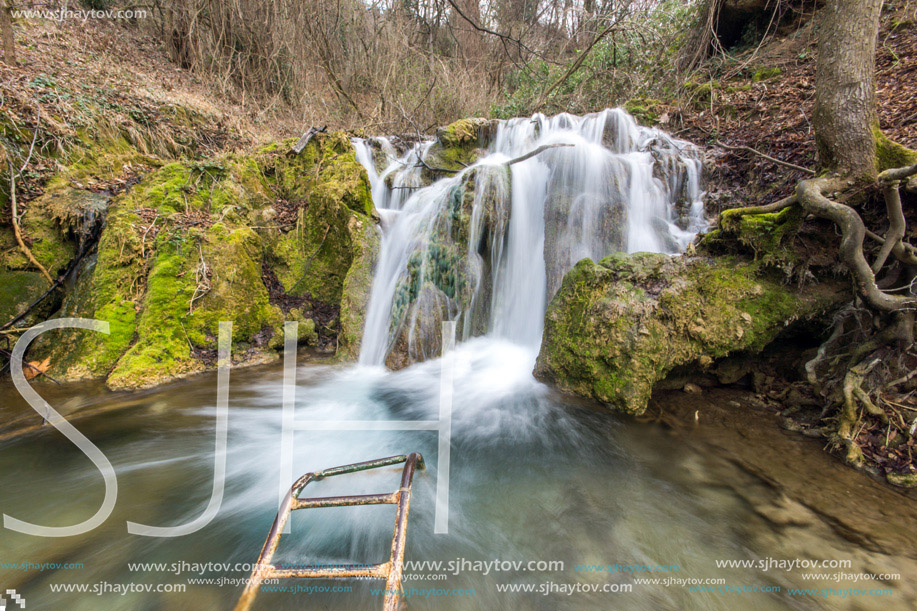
890, 154
164, 350
765, 74
357, 287
645, 110
459, 144
102, 160
236, 291
306, 333
19, 290
108, 289
768, 236
905, 480
165, 286
331, 189
51, 225
462, 133
701, 93
326, 169
617, 328
48, 246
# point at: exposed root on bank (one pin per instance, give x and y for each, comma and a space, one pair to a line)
865, 373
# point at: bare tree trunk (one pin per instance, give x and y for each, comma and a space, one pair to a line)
469, 39
845, 116
512, 14
6, 32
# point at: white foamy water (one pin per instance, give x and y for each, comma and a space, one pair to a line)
607, 185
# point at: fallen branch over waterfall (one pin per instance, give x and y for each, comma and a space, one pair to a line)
537, 151
519, 159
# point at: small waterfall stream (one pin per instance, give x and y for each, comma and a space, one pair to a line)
488, 245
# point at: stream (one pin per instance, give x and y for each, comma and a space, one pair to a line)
535, 477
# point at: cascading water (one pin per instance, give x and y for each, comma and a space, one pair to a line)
487, 245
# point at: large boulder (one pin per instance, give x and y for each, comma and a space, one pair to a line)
254, 238
616, 328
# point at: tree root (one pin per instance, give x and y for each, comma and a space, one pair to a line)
897, 225
766, 209
852, 379
811, 195
17, 231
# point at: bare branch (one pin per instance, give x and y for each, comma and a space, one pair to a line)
748, 149
537, 151
897, 174
18, 231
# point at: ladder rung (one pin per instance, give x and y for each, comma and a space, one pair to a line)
377, 571
347, 501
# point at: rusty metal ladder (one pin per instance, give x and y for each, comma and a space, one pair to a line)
389, 571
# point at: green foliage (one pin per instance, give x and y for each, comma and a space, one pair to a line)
621, 66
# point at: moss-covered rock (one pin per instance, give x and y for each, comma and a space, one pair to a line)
327, 187
766, 74
645, 110
448, 272
19, 290
701, 94
419, 337
200, 242
459, 144
358, 285
768, 238
617, 328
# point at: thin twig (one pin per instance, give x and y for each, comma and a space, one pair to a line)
537, 151
748, 149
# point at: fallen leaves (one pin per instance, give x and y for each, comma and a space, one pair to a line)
34, 369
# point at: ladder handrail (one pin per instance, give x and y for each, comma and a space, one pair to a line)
391, 571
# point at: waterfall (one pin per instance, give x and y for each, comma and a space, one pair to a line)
487, 243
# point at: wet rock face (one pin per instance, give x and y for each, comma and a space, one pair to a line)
597, 184
419, 336
567, 213
616, 328
459, 144
448, 276
57, 226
